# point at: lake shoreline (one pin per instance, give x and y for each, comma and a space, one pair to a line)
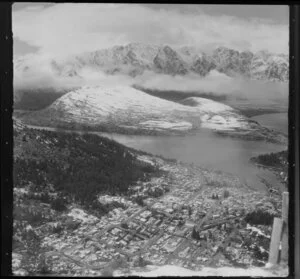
252, 134
274, 121
147, 145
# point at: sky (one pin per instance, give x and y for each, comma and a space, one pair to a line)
72, 28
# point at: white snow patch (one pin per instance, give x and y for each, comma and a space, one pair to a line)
28, 228
16, 260
219, 122
217, 116
20, 272
209, 106
20, 191
79, 214
107, 199
161, 124
171, 270
145, 160
258, 231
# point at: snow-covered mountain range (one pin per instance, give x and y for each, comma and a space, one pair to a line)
135, 58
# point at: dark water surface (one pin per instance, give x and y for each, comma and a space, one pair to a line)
276, 121
208, 150
211, 151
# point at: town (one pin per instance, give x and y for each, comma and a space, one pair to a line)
201, 220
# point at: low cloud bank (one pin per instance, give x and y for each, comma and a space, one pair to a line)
217, 84
41, 76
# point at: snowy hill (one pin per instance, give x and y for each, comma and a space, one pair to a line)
133, 59
122, 107
215, 115
128, 108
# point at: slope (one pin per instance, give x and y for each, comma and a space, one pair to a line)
130, 111
128, 108
62, 226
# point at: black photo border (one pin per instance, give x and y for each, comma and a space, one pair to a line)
6, 95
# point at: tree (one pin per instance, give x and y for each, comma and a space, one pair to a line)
124, 225
190, 211
195, 234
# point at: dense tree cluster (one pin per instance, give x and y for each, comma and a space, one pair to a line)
259, 217
78, 166
276, 160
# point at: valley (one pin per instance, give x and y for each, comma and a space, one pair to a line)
171, 213
90, 201
113, 179
149, 140
204, 148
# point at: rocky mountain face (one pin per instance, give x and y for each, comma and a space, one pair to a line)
266, 66
169, 61
133, 59
232, 62
203, 65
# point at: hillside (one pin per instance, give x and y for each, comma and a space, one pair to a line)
130, 111
80, 166
117, 108
276, 162
55, 171
85, 205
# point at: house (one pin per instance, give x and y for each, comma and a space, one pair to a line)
189, 224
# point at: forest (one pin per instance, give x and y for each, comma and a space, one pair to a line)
276, 160
78, 167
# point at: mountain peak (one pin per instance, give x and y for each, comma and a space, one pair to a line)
134, 58
169, 62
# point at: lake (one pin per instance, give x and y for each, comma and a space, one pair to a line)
211, 151
208, 150
276, 121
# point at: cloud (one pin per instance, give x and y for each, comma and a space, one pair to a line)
64, 29
215, 83
41, 75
